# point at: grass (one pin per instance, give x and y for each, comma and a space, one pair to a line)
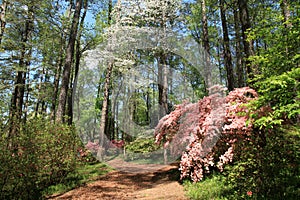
149, 158
211, 188
84, 174
145, 159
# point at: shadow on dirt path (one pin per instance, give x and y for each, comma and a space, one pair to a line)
132, 181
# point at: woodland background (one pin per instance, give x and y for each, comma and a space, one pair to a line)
43, 47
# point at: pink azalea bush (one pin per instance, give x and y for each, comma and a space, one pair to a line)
92, 146
208, 129
117, 143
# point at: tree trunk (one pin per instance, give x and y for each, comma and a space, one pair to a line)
248, 45
44, 102
238, 48
104, 110
56, 84
3, 8
219, 62
285, 9
27, 90
226, 48
109, 11
115, 108
162, 86
205, 41
103, 119
78, 55
163, 92
17, 99
148, 104
40, 90
57, 77
68, 64
107, 117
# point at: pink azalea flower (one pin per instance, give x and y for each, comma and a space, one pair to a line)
249, 193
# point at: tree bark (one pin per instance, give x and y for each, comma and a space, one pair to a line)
115, 108
162, 86
78, 55
61, 108
238, 48
104, 110
109, 11
163, 93
226, 48
40, 90
17, 99
248, 45
56, 83
59, 66
103, 120
3, 8
285, 8
205, 41
44, 104
26, 89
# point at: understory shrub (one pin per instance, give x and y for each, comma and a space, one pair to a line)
142, 145
268, 162
141, 148
40, 155
282, 95
269, 169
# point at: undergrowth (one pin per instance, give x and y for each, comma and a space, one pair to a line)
84, 174
211, 188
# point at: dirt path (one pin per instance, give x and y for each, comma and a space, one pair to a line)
132, 181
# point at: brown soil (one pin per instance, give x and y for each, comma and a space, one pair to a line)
132, 181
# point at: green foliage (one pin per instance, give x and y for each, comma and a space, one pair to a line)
268, 164
142, 145
141, 149
137, 105
278, 41
213, 187
282, 94
82, 175
42, 154
269, 169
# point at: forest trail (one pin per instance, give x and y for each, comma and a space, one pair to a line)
132, 181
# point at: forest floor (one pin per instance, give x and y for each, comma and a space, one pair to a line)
131, 181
